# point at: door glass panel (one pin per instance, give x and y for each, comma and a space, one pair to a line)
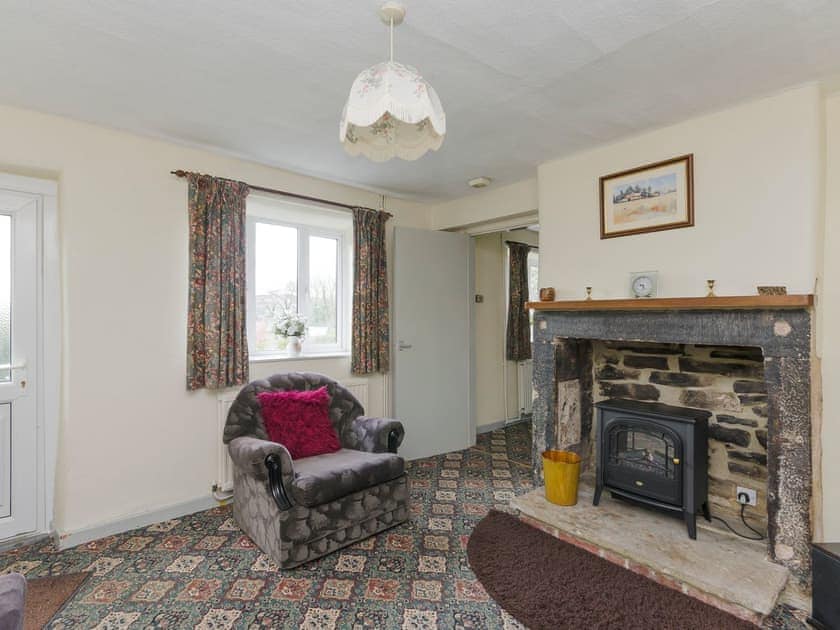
5, 297
323, 296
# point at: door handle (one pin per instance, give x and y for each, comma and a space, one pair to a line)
21, 365
403, 346
14, 366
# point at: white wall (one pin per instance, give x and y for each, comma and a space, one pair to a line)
757, 176
132, 439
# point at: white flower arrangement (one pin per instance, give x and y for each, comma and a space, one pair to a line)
290, 325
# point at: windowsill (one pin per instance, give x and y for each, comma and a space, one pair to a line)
274, 358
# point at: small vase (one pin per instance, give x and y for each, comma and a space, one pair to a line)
294, 347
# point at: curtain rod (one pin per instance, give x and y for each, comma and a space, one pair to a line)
521, 243
286, 193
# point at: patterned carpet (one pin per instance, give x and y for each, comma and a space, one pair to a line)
201, 571
514, 441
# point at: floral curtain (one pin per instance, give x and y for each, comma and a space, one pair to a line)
518, 342
370, 331
217, 347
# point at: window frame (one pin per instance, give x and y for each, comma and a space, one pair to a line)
343, 299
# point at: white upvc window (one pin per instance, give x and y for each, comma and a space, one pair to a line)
299, 260
533, 284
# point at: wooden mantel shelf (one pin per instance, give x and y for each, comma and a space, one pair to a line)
727, 302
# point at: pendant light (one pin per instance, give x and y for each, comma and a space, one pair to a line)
392, 111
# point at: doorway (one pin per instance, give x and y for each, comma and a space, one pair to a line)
504, 391
29, 372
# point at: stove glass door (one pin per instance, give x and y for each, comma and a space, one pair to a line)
644, 458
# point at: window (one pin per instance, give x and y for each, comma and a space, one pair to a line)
299, 261
533, 284
534, 275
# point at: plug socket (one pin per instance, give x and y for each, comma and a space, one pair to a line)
746, 496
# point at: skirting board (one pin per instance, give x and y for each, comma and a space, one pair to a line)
65, 540
493, 426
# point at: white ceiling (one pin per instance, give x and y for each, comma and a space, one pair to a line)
521, 81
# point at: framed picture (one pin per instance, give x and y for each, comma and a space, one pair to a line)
649, 198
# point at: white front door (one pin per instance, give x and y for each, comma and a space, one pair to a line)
432, 324
18, 351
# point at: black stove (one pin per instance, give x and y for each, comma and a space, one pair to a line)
654, 454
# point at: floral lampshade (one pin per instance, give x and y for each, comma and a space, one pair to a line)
392, 112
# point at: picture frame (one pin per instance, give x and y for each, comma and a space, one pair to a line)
649, 198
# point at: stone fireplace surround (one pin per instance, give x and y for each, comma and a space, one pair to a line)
563, 379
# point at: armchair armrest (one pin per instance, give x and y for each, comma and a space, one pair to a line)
375, 435
265, 460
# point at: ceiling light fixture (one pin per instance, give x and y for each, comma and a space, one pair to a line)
392, 111
479, 182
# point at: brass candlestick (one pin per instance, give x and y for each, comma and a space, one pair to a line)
711, 285
588, 293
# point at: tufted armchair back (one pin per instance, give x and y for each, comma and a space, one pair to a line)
245, 417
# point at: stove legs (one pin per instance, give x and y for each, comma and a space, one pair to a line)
597, 497
706, 514
691, 524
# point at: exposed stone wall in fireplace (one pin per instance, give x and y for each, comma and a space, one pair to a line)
728, 381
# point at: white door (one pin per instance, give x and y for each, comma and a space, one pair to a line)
432, 353
18, 348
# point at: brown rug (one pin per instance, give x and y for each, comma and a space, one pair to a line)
548, 583
45, 597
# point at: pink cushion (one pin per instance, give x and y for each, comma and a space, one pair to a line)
300, 421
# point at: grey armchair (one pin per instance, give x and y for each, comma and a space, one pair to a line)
300, 510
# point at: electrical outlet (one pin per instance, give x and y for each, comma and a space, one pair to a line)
749, 493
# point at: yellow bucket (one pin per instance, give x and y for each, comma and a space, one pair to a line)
562, 471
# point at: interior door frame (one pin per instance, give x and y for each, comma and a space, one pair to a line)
47, 360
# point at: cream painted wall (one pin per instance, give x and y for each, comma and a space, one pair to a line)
132, 439
757, 175
485, 208
829, 306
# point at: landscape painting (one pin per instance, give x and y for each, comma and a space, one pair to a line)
649, 198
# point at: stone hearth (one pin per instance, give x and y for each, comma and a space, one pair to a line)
563, 378
719, 569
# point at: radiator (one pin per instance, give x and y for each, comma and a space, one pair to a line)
525, 376
224, 471
359, 389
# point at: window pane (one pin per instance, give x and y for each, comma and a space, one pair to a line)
5, 296
533, 276
323, 296
275, 281
533, 284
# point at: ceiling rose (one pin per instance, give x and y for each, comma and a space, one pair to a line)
392, 111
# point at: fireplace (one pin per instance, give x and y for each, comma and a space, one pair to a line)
654, 454
778, 329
